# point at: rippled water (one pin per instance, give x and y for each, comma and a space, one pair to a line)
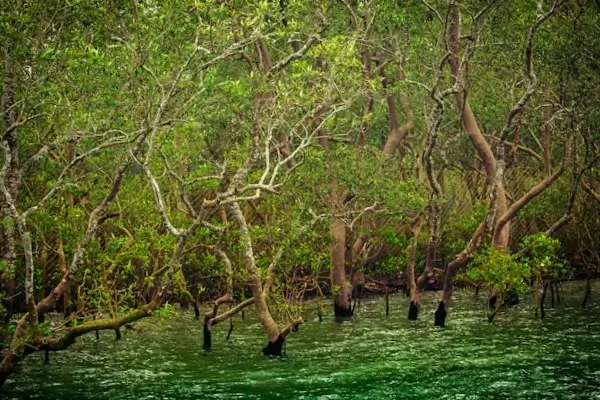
370, 357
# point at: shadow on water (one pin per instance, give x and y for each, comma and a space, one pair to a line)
369, 357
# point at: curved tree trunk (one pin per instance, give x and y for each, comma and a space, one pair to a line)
434, 204
494, 168
483, 150
275, 337
211, 318
11, 179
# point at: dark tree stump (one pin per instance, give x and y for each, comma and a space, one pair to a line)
588, 291
340, 312
230, 330
274, 348
359, 291
320, 310
511, 299
117, 334
440, 315
492, 302
413, 311
207, 342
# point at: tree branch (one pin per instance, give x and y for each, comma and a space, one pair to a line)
269, 278
294, 56
69, 337
230, 313
533, 192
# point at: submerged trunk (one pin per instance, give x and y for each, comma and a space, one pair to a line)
453, 266
415, 285
357, 275
211, 319
341, 299
588, 292
494, 167
484, 151
275, 337
341, 294
254, 280
415, 293
227, 298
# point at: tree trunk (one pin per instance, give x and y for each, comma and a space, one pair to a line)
11, 177
588, 291
535, 191
341, 299
254, 280
494, 168
415, 293
211, 319
453, 266
96, 218
397, 133
275, 337
485, 153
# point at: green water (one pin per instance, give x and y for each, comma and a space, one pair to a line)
371, 357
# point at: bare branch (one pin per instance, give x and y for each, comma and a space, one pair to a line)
533, 192
231, 50
529, 72
228, 269
269, 278
60, 182
44, 150
372, 207
294, 56
158, 116
230, 313
97, 215
20, 122
436, 12
67, 338
355, 19
291, 327
160, 203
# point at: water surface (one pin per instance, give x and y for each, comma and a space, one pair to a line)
370, 357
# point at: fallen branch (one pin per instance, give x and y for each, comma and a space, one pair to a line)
69, 337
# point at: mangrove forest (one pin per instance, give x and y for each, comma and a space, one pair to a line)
300, 199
